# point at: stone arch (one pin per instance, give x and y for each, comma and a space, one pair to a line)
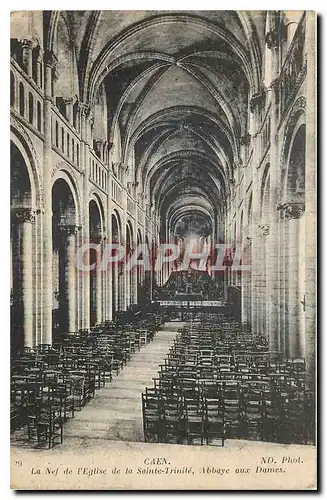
19, 138
117, 218
294, 189
65, 225
24, 248
296, 118
62, 173
99, 203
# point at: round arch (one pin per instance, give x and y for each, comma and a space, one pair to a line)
296, 118
32, 165
97, 200
115, 217
67, 177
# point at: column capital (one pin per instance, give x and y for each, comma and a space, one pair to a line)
69, 229
272, 39
68, 100
83, 108
28, 43
291, 210
264, 229
19, 215
50, 59
276, 32
96, 236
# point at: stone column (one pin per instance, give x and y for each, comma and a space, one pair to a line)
127, 275
121, 288
98, 286
262, 281
84, 159
134, 269
273, 40
116, 286
22, 220
27, 55
50, 62
124, 291
283, 282
134, 284
255, 108
39, 68
69, 241
293, 212
109, 273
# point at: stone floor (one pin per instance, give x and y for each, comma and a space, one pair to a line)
115, 413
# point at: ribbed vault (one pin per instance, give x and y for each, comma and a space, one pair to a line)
177, 88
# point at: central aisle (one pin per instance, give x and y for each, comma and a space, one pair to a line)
115, 413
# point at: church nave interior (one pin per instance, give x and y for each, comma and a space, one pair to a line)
163, 226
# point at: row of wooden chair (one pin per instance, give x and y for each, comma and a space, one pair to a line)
49, 383
260, 394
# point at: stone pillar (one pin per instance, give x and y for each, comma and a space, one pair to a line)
273, 42
69, 241
255, 108
123, 272
84, 159
134, 268
116, 286
262, 281
293, 211
109, 273
98, 286
39, 68
121, 288
127, 275
133, 278
50, 62
27, 55
22, 220
283, 281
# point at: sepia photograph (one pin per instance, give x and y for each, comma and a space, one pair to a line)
163, 250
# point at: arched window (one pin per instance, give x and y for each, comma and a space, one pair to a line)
57, 134
12, 89
75, 116
30, 108
77, 154
21, 99
68, 145
73, 150
38, 116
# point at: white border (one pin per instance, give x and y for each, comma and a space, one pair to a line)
5, 9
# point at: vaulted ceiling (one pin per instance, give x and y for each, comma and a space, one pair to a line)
178, 85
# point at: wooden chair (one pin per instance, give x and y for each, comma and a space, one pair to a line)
214, 420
